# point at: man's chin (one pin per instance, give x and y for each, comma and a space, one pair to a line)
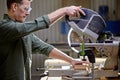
23, 20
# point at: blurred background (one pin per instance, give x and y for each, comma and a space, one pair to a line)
109, 9
57, 34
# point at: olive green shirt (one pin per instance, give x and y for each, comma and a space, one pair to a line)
17, 43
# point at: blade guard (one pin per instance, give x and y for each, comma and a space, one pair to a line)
92, 24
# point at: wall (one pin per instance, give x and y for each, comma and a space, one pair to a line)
53, 34
2, 8
41, 7
83, 3
110, 3
118, 9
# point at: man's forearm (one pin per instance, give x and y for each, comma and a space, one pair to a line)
55, 53
56, 15
73, 11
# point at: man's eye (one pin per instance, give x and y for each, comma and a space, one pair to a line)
28, 9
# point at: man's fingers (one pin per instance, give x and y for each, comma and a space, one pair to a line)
81, 11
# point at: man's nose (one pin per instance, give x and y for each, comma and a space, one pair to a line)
27, 13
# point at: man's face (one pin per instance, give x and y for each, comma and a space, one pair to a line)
22, 11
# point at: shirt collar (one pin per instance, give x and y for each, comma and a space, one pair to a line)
6, 16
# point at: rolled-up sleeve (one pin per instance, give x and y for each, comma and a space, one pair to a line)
11, 29
40, 46
43, 21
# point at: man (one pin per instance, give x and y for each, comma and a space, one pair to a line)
17, 42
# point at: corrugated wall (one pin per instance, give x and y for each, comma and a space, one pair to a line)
41, 7
2, 8
118, 9
110, 3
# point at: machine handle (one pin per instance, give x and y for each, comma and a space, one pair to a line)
75, 45
90, 55
81, 16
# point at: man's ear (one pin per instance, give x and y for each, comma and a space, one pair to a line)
14, 6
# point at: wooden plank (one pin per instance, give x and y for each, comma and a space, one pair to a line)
106, 73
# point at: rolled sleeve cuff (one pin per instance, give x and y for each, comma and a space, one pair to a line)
43, 22
49, 49
47, 20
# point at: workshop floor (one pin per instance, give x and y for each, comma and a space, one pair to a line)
51, 78
103, 78
59, 78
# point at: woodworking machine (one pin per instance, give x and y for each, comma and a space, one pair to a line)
98, 45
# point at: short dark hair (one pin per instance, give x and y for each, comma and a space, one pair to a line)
9, 2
